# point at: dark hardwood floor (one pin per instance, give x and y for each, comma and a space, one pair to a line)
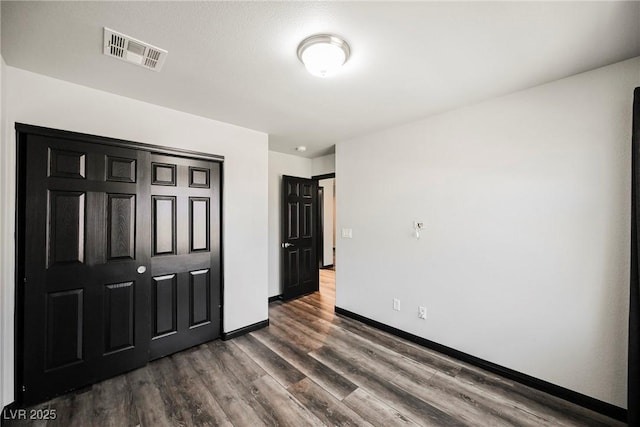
312, 367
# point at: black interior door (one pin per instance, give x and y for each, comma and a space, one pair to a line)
185, 249
299, 232
86, 232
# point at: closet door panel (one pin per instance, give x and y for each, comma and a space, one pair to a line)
85, 222
187, 226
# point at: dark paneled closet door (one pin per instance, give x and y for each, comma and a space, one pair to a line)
86, 304
185, 262
120, 253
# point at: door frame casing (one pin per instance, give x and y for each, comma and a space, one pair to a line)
325, 176
22, 130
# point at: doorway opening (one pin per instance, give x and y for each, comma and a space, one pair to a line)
327, 234
326, 222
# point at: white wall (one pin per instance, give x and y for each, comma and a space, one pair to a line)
323, 165
280, 164
525, 257
39, 100
328, 220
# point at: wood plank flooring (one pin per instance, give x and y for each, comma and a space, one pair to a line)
311, 367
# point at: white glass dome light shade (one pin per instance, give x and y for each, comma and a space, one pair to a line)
323, 54
323, 59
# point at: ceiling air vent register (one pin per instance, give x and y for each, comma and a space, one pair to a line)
131, 50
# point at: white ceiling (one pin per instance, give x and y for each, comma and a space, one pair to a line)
236, 61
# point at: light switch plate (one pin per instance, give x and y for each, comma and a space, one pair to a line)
347, 233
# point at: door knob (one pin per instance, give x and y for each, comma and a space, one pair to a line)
142, 269
287, 245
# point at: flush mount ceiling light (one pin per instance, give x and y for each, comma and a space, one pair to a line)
301, 148
323, 54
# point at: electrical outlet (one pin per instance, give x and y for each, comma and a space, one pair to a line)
422, 313
396, 304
